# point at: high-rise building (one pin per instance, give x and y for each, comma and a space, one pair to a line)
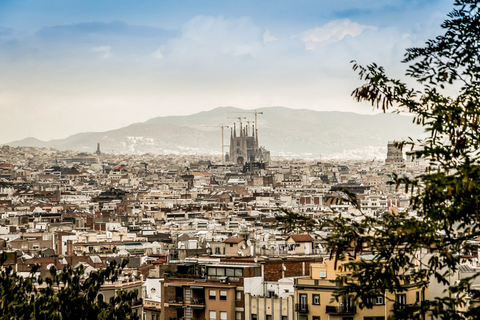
394, 154
98, 152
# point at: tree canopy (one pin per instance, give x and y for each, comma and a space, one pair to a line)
290, 221
65, 294
432, 240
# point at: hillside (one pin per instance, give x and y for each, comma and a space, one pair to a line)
283, 131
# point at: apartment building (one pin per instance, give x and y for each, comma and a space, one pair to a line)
314, 298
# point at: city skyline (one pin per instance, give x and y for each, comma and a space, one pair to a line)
81, 66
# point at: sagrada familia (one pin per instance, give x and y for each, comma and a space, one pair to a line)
244, 147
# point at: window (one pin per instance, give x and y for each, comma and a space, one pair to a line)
303, 299
238, 315
270, 294
316, 299
212, 315
315, 318
379, 300
323, 273
417, 296
400, 300
238, 295
231, 245
212, 295
254, 316
223, 295
223, 315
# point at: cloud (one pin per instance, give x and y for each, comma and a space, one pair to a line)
105, 51
333, 31
220, 36
158, 53
267, 37
209, 61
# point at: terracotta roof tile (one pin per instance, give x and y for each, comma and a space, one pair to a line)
301, 237
234, 240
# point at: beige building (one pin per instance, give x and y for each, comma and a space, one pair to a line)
236, 247
314, 298
271, 308
299, 244
110, 290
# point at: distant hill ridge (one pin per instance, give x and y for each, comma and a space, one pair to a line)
281, 130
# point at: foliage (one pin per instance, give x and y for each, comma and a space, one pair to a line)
65, 294
291, 221
429, 242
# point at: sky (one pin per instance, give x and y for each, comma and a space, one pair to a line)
70, 66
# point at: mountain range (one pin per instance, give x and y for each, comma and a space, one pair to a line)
283, 131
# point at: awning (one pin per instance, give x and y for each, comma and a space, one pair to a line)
175, 285
197, 307
196, 287
175, 306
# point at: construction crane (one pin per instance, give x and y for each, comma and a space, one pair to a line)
223, 144
254, 112
239, 120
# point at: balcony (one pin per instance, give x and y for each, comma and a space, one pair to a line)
198, 301
300, 307
404, 308
341, 310
175, 301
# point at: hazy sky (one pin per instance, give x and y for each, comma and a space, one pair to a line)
70, 66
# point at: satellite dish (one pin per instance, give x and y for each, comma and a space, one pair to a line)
239, 252
243, 246
284, 268
208, 245
249, 243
